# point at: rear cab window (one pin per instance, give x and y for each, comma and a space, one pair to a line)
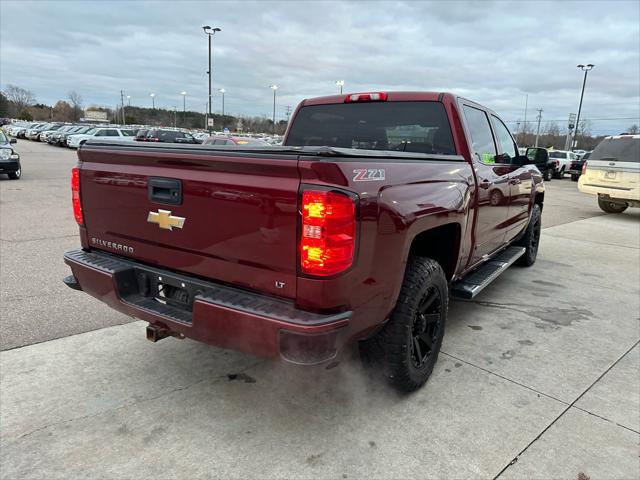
420, 127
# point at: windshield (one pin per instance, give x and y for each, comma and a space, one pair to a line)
421, 127
621, 149
557, 154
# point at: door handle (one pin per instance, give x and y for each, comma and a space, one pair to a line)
515, 181
165, 190
485, 184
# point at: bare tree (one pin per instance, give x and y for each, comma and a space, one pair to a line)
76, 103
633, 129
19, 98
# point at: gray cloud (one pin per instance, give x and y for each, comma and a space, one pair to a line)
492, 52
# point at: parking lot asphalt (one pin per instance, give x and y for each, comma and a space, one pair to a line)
538, 376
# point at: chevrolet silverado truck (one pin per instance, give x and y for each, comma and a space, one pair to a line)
375, 210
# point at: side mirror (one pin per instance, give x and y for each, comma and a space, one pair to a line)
537, 156
13, 140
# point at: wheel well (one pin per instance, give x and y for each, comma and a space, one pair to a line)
539, 199
441, 244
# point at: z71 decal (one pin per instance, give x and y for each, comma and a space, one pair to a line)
368, 174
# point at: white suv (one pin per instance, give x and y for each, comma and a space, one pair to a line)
101, 133
613, 173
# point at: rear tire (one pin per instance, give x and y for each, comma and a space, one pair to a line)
407, 347
531, 238
611, 207
560, 174
548, 174
575, 177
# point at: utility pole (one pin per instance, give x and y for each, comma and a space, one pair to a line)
538, 132
585, 69
124, 120
524, 124
288, 112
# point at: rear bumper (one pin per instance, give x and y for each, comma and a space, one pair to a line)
216, 314
610, 191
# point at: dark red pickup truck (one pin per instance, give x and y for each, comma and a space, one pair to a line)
375, 210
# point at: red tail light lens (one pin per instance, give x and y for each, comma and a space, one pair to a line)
327, 241
366, 97
75, 195
584, 168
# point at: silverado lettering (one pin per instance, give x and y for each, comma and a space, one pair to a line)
375, 210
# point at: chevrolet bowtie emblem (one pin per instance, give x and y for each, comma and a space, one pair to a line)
165, 220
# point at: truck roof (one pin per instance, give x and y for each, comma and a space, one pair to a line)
391, 97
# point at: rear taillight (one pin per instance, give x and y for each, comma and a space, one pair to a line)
75, 195
584, 168
327, 240
366, 97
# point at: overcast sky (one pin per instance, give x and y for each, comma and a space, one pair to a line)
491, 52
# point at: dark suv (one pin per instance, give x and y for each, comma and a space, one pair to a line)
169, 136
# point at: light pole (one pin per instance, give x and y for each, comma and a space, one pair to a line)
210, 32
340, 83
184, 107
222, 90
585, 69
153, 104
274, 88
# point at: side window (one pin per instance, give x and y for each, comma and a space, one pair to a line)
220, 142
112, 133
483, 144
101, 133
509, 152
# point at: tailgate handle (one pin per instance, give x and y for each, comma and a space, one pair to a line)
165, 190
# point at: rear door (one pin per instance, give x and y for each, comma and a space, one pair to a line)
227, 217
520, 179
493, 184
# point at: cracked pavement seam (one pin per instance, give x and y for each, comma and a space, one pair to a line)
213, 381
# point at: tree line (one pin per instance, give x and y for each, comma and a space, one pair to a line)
17, 102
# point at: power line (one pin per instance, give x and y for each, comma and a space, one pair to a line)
584, 119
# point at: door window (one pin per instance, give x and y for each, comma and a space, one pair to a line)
507, 145
101, 133
483, 144
112, 133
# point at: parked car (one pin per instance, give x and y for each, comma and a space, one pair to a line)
612, 172
230, 140
101, 133
45, 134
357, 230
9, 159
575, 169
60, 137
34, 132
141, 135
563, 160
166, 135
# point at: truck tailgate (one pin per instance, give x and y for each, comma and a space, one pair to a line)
239, 211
